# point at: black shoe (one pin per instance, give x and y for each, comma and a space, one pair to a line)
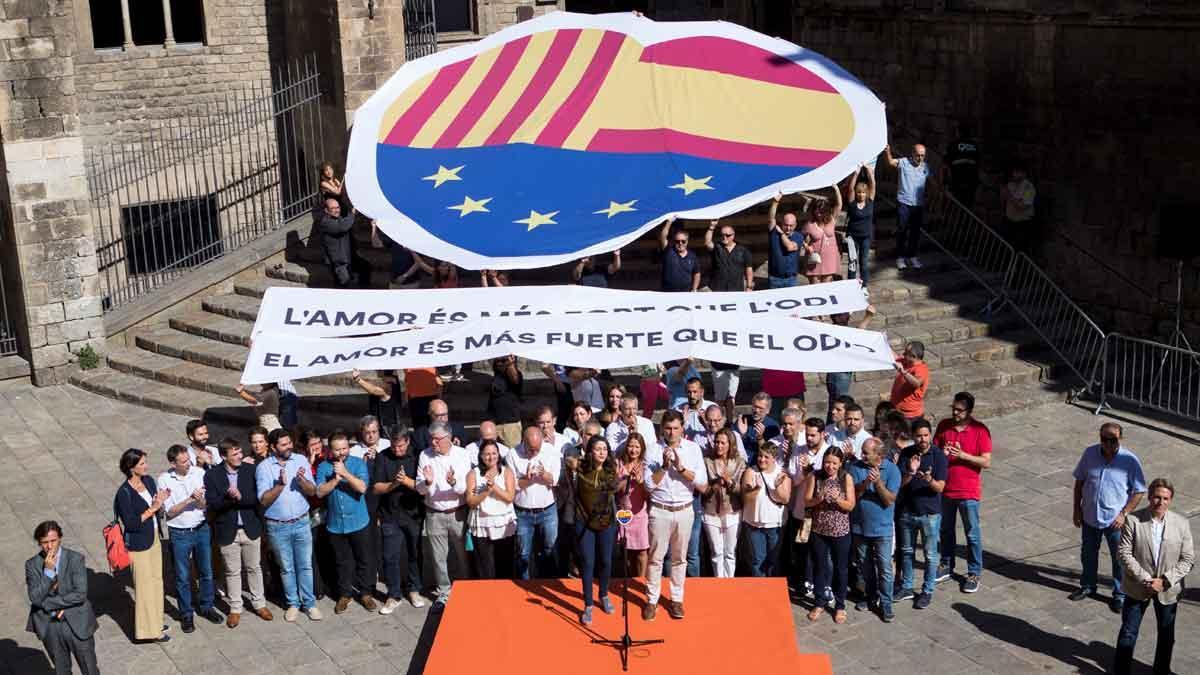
189, 625
1080, 595
1116, 605
211, 614
904, 594
162, 639
888, 615
860, 606
922, 601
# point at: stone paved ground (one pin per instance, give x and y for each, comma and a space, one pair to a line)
60, 447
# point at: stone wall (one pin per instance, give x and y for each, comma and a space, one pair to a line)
51, 236
1102, 107
494, 15
124, 92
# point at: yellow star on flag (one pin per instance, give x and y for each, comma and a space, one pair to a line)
617, 207
470, 206
690, 185
536, 219
443, 174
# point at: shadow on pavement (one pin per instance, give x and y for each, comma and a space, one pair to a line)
1081, 657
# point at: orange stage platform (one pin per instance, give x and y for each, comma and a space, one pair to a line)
738, 625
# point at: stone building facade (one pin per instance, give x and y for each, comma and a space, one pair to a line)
80, 75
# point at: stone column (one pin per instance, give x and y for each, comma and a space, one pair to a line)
168, 29
43, 162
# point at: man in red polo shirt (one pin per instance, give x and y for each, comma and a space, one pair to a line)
968, 447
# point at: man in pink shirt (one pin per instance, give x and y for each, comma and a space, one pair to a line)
968, 447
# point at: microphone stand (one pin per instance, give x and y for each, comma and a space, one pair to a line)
626, 642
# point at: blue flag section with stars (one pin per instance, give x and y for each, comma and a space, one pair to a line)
554, 201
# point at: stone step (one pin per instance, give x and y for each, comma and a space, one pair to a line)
113, 383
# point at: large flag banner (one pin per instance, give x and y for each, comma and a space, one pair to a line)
619, 340
310, 312
572, 134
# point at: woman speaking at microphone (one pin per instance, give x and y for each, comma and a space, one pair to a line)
596, 486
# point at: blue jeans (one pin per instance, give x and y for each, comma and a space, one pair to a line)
1131, 621
529, 523
293, 546
595, 557
781, 282
969, 510
836, 384
288, 405
184, 545
908, 232
764, 550
930, 532
693, 553
875, 564
863, 244
1089, 557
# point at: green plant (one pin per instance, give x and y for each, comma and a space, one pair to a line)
88, 358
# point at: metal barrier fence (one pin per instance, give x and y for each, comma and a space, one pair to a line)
203, 184
8, 337
977, 248
1061, 323
1151, 375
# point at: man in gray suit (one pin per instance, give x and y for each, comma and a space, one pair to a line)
1156, 554
59, 612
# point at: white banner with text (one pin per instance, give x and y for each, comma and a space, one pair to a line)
310, 312
613, 341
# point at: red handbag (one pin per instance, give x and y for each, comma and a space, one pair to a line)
114, 543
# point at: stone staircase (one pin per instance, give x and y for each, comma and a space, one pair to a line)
191, 364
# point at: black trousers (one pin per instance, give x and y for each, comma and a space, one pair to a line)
355, 562
61, 642
494, 557
401, 557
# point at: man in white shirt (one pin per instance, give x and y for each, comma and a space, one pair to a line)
674, 473
545, 419
802, 460
853, 435
369, 442
191, 540
537, 469
443, 469
791, 428
487, 432
714, 421
627, 422
693, 408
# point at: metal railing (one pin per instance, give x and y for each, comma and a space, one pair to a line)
203, 184
1151, 375
8, 336
420, 29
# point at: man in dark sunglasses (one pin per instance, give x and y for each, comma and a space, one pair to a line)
680, 269
732, 263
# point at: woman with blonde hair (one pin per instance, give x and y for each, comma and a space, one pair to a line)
723, 502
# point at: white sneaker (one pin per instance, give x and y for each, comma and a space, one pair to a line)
416, 600
901, 263
314, 614
916, 263
291, 614
389, 606
866, 292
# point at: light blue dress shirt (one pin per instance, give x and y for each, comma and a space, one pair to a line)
1107, 486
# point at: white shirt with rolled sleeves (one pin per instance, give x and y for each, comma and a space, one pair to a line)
693, 418
536, 495
617, 433
674, 490
705, 441
473, 452
360, 451
441, 495
795, 471
182, 488
856, 441
559, 443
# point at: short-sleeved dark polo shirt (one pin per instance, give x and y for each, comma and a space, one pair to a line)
729, 268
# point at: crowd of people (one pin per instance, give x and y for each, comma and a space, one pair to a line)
414, 499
